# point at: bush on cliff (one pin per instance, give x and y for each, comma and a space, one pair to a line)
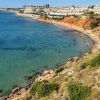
94, 62
94, 23
89, 14
84, 65
77, 91
44, 88
58, 70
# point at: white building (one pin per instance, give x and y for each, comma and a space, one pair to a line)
28, 10
68, 11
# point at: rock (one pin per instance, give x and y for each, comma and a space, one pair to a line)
16, 89
28, 78
70, 73
58, 65
76, 59
46, 72
1, 90
71, 60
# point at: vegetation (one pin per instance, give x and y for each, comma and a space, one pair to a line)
77, 91
44, 88
95, 23
94, 62
95, 20
59, 69
89, 14
84, 65
91, 7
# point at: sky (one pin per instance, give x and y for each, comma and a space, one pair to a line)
20, 3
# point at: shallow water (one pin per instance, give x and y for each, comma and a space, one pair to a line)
27, 45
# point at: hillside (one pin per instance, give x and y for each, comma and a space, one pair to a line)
74, 80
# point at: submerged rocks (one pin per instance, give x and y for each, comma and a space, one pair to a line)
1, 90
28, 78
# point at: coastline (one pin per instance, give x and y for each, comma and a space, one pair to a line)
89, 33
93, 37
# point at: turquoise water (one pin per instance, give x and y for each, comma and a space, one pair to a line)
27, 45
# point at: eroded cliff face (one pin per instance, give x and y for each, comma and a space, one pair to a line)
84, 22
80, 22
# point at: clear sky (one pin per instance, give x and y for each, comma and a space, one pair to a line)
20, 3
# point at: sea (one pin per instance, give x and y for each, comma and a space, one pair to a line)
28, 46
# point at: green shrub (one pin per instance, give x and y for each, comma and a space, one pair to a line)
95, 62
77, 91
90, 14
34, 88
59, 70
42, 89
94, 24
84, 65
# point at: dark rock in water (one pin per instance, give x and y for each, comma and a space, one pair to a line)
46, 66
14, 86
36, 73
33, 72
71, 59
1, 90
28, 78
59, 64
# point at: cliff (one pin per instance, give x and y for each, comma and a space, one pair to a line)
80, 22
84, 22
